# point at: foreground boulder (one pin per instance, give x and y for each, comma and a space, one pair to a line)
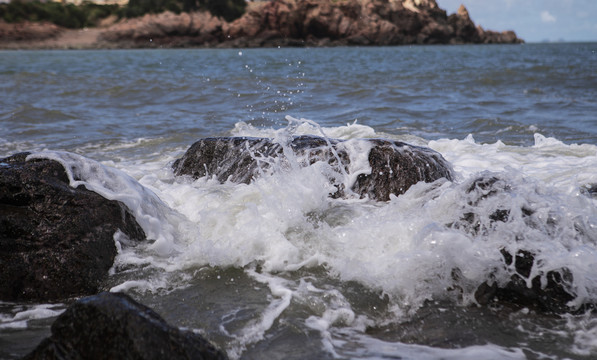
114, 326
394, 166
56, 241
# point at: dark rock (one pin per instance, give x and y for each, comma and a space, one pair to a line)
464, 28
521, 290
114, 326
589, 190
56, 241
395, 166
553, 297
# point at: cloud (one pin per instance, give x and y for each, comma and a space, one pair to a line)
546, 17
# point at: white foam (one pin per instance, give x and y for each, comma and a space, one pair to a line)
406, 247
549, 160
287, 221
255, 330
21, 317
371, 349
306, 127
584, 331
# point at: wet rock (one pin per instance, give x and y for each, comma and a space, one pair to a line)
114, 326
547, 291
56, 241
395, 166
553, 296
589, 190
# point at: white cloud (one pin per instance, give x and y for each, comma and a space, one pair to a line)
546, 17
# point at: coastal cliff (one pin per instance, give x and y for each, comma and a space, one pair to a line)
287, 23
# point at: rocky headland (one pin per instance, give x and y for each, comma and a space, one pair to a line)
269, 24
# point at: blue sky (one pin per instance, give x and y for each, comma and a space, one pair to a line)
533, 20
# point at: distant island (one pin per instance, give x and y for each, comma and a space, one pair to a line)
207, 23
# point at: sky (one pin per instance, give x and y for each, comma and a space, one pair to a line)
533, 20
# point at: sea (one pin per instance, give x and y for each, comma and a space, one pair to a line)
278, 269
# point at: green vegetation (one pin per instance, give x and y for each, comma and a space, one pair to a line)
227, 9
89, 14
67, 15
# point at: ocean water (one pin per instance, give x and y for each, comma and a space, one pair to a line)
277, 269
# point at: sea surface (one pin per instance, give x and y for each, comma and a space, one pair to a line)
279, 270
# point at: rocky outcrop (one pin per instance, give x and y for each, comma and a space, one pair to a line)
114, 326
28, 31
56, 241
311, 23
392, 166
169, 29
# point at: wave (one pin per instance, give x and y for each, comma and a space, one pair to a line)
407, 247
436, 242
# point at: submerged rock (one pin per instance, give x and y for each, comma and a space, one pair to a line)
589, 190
530, 284
56, 241
553, 296
394, 166
114, 326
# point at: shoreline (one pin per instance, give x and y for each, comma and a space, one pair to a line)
90, 39
86, 38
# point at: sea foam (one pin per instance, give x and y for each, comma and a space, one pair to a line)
407, 248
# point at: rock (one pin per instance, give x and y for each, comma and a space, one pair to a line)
553, 296
28, 31
464, 28
114, 326
395, 166
168, 29
369, 22
547, 291
56, 241
309, 23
